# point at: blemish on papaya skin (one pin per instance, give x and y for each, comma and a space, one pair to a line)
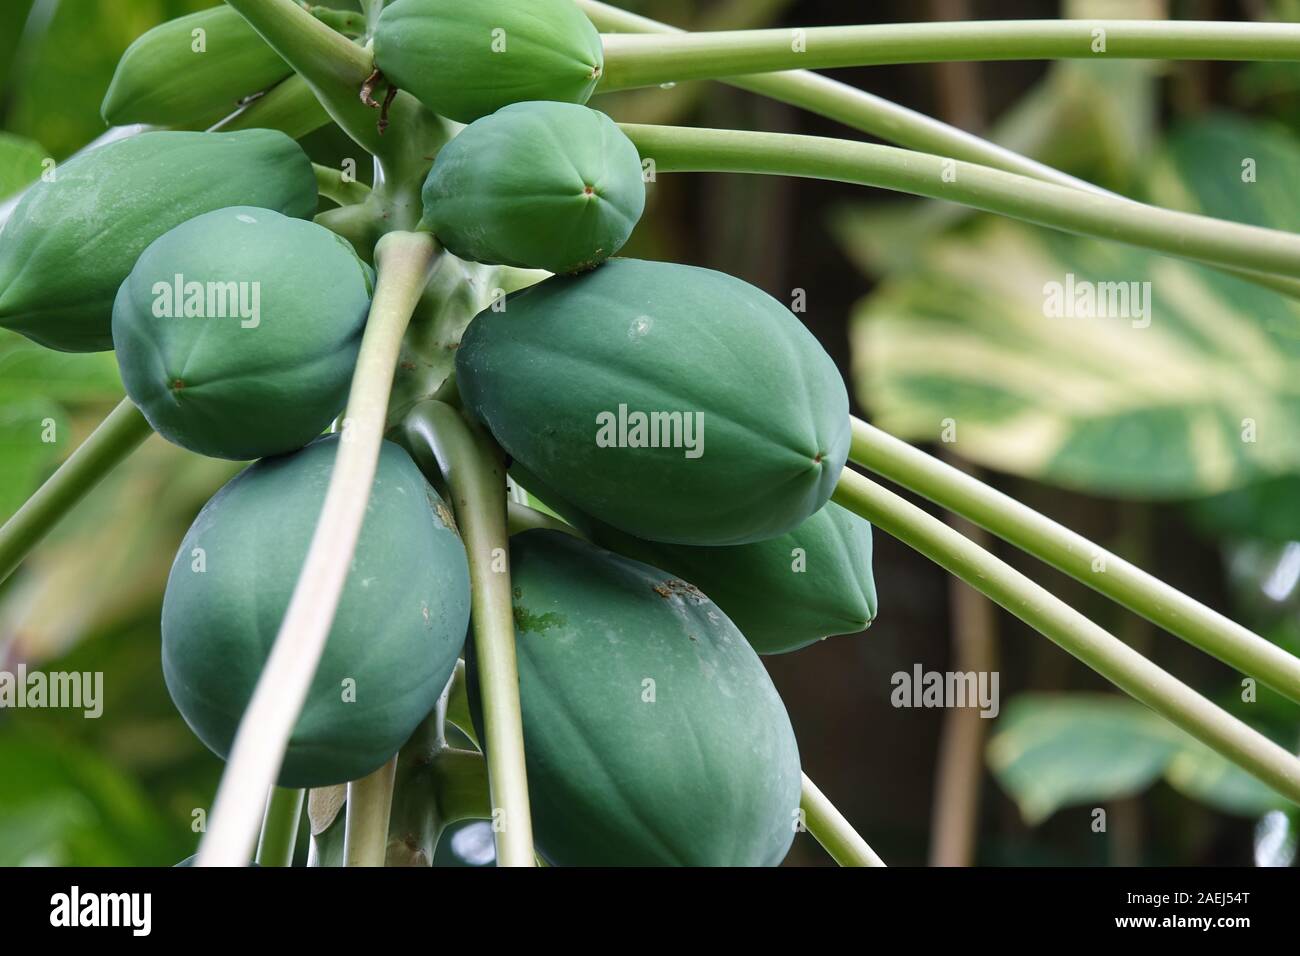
176, 384
525, 620
676, 586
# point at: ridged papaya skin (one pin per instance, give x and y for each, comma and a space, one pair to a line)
466, 60
232, 387
400, 624
162, 80
784, 593
70, 242
552, 186
548, 373
698, 768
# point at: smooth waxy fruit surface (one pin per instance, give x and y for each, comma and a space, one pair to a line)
399, 628
653, 735
783, 593
466, 60
551, 186
191, 71
675, 403
237, 332
71, 241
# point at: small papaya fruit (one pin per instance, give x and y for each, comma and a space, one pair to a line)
237, 331
466, 60
675, 403
190, 72
652, 733
400, 624
552, 186
783, 593
71, 241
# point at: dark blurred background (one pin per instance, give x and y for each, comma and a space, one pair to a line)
932, 314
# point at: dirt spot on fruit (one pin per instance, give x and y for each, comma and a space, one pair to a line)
525, 620
446, 517
678, 587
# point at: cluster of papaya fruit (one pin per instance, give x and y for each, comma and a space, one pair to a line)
652, 731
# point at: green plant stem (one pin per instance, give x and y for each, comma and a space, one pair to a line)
336, 69
280, 827
444, 443
1047, 614
370, 802
331, 184
632, 61
108, 446
1078, 557
682, 149
403, 260
832, 831
457, 711
854, 108
521, 518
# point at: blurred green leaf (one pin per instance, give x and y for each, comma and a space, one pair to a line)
1204, 398
1057, 750
25, 455
1203, 775
20, 163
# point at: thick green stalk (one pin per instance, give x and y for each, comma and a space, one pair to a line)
632, 61
1044, 612
280, 827
833, 831
370, 803
331, 184
108, 446
403, 261
445, 445
1214, 241
1067, 551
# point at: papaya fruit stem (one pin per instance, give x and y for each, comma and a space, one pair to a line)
403, 262
443, 443
833, 831
331, 184
1110, 657
280, 827
641, 60
1184, 235
370, 802
108, 446
1075, 555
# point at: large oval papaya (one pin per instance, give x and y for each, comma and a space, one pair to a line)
466, 60
675, 403
653, 735
552, 186
71, 241
237, 331
192, 71
400, 624
783, 593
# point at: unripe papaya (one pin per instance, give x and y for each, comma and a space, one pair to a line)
783, 593
552, 186
237, 331
466, 60
675, 403
71, 241
174, 75
400, 623
653, 735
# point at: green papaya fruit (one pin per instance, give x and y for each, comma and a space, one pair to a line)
71, 241
175, 75
552, 186
237, 331
653, 735
400, 624
675, 403
466, 60
783, 593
